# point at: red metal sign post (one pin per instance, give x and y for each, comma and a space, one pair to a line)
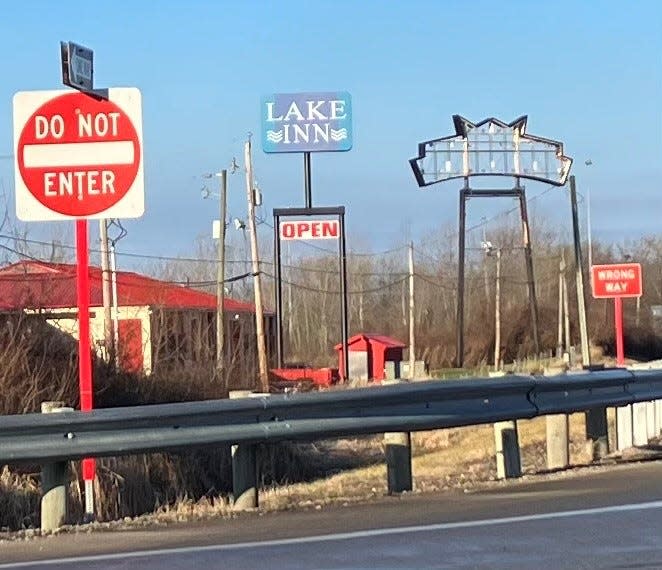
618, 323
79, 156
84, 346
616, 281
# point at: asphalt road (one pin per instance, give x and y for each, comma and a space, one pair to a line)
600, 519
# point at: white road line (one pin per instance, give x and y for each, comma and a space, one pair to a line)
340, 536
77, 154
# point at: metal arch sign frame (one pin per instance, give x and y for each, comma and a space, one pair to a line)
491, 147
533, 157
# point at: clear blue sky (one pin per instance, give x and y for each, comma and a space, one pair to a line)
588, 73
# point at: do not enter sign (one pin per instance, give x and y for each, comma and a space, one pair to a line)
77, 156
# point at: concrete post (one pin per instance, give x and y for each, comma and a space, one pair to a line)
558, 448
558, 433
244, 467
506, 443
624, 428
54, 480
658, 417
397, 449
650, 420
639, 424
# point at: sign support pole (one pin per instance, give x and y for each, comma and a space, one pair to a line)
279, 294
342, 251
618, 323
84, 350
307, 180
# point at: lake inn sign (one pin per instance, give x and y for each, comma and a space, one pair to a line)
307, 122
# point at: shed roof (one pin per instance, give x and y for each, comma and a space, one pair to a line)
42, 285
373, 338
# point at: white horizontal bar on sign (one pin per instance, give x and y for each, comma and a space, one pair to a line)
78, 154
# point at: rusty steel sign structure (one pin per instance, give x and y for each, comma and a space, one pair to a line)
491, 147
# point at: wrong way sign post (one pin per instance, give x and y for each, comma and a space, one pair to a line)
78, 156
617, 281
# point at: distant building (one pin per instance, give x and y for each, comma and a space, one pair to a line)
161, 325
369, 354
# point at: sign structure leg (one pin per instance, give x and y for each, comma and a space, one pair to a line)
459, 320
278, 290
342, 259
84, 350
533, 301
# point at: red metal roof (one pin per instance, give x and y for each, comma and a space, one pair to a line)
42, 285
373, 338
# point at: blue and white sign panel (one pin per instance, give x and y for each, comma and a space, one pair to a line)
307, 122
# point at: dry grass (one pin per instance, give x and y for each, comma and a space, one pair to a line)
19, 498
442, 459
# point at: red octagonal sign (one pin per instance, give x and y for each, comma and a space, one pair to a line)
77, 156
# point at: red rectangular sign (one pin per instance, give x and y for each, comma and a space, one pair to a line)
310, 229
616, 280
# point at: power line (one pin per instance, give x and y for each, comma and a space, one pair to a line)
189, 259
333, 292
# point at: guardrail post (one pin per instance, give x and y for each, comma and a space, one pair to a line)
639, 424
397, 449
557, 428
54, 480
650, 420
597, 427
244, 468
658, 417
506, 445
506, 442
624, 425
558, 433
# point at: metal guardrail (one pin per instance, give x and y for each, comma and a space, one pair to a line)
404, 407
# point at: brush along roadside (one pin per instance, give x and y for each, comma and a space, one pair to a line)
162, 489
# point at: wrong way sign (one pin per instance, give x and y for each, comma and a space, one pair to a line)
616, 280
77, 156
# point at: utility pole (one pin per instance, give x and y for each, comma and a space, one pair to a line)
115, 305
486, 277
559, 338
412, 313
257, 282
220, 283
579, 276
497, 312
566, 304
596, 418
108, 325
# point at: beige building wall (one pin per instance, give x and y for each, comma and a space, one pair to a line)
66, 321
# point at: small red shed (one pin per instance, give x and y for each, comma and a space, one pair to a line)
368, 354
